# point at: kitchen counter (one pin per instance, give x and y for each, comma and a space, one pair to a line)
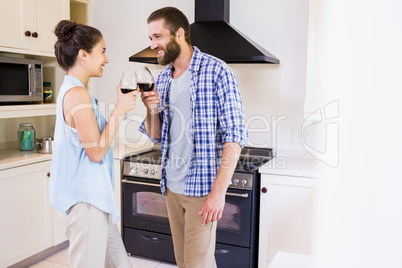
291, 260
12, 157
293, 164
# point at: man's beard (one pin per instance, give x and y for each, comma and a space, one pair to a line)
171, 51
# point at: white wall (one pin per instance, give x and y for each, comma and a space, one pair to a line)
359, 58
269, 92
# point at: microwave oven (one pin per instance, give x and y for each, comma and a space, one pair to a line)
21, 80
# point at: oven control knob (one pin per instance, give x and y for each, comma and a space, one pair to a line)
133, 170
236, 181
152, 172
145, 171
244, 182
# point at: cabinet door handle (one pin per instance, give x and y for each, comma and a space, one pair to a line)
264, 190
48, 174
28, 33
35, 34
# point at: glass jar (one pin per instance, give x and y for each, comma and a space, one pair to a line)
26, 137
47, 92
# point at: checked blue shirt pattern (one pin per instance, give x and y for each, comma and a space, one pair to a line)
217, 117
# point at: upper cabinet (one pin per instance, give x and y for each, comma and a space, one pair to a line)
27, 26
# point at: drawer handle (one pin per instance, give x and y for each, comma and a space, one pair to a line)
221, 251
48, 174
152, 239
35, 34
28, 33
264, 190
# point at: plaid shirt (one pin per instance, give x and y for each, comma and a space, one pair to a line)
217, 117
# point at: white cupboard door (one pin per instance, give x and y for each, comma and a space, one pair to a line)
286, 215
15, 19
26, 215
48, 14
27, 26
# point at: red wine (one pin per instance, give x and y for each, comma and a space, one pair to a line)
146, 86
127, 90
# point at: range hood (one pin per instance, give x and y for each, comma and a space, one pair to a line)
212, 34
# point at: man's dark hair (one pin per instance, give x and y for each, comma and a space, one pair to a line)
174, 20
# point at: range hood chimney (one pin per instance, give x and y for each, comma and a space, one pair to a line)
212, 34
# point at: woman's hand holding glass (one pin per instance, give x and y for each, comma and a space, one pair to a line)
127, 93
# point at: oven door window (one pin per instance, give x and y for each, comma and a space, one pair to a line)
236, 223
230, 218
144, 206
149, 204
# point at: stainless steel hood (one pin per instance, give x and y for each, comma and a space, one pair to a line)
212, 34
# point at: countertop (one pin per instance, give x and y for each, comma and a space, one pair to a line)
293, 164
291, 260
13, 157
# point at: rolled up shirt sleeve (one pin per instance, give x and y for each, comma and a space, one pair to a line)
143, 130
231, 112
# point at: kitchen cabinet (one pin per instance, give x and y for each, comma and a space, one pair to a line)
26, 224
29, 223
286, 215
27, 26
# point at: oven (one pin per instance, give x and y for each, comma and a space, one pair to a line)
145, 225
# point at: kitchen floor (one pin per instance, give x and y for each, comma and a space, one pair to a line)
60, 260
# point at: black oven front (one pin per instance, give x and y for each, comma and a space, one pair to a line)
146, 229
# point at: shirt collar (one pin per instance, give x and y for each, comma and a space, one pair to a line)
194, 63
195, 60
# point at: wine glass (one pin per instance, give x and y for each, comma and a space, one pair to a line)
146, 82
128, 83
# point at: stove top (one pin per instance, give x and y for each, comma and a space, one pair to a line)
250, 164
148, 164
250, 158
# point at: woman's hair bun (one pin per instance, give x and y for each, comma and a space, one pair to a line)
64, 29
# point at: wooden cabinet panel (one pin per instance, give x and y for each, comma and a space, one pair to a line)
286, 215
27, 26
26, 222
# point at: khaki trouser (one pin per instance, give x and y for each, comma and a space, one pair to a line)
194, 243
94, 242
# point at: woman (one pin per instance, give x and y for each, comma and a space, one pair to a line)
82, 175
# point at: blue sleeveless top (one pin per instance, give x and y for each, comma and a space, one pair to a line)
74, 177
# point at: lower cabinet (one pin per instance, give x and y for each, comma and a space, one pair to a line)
286, 215
28, 221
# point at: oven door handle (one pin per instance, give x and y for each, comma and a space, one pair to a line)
140, 183
245, 195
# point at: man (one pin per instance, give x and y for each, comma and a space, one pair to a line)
201, 131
